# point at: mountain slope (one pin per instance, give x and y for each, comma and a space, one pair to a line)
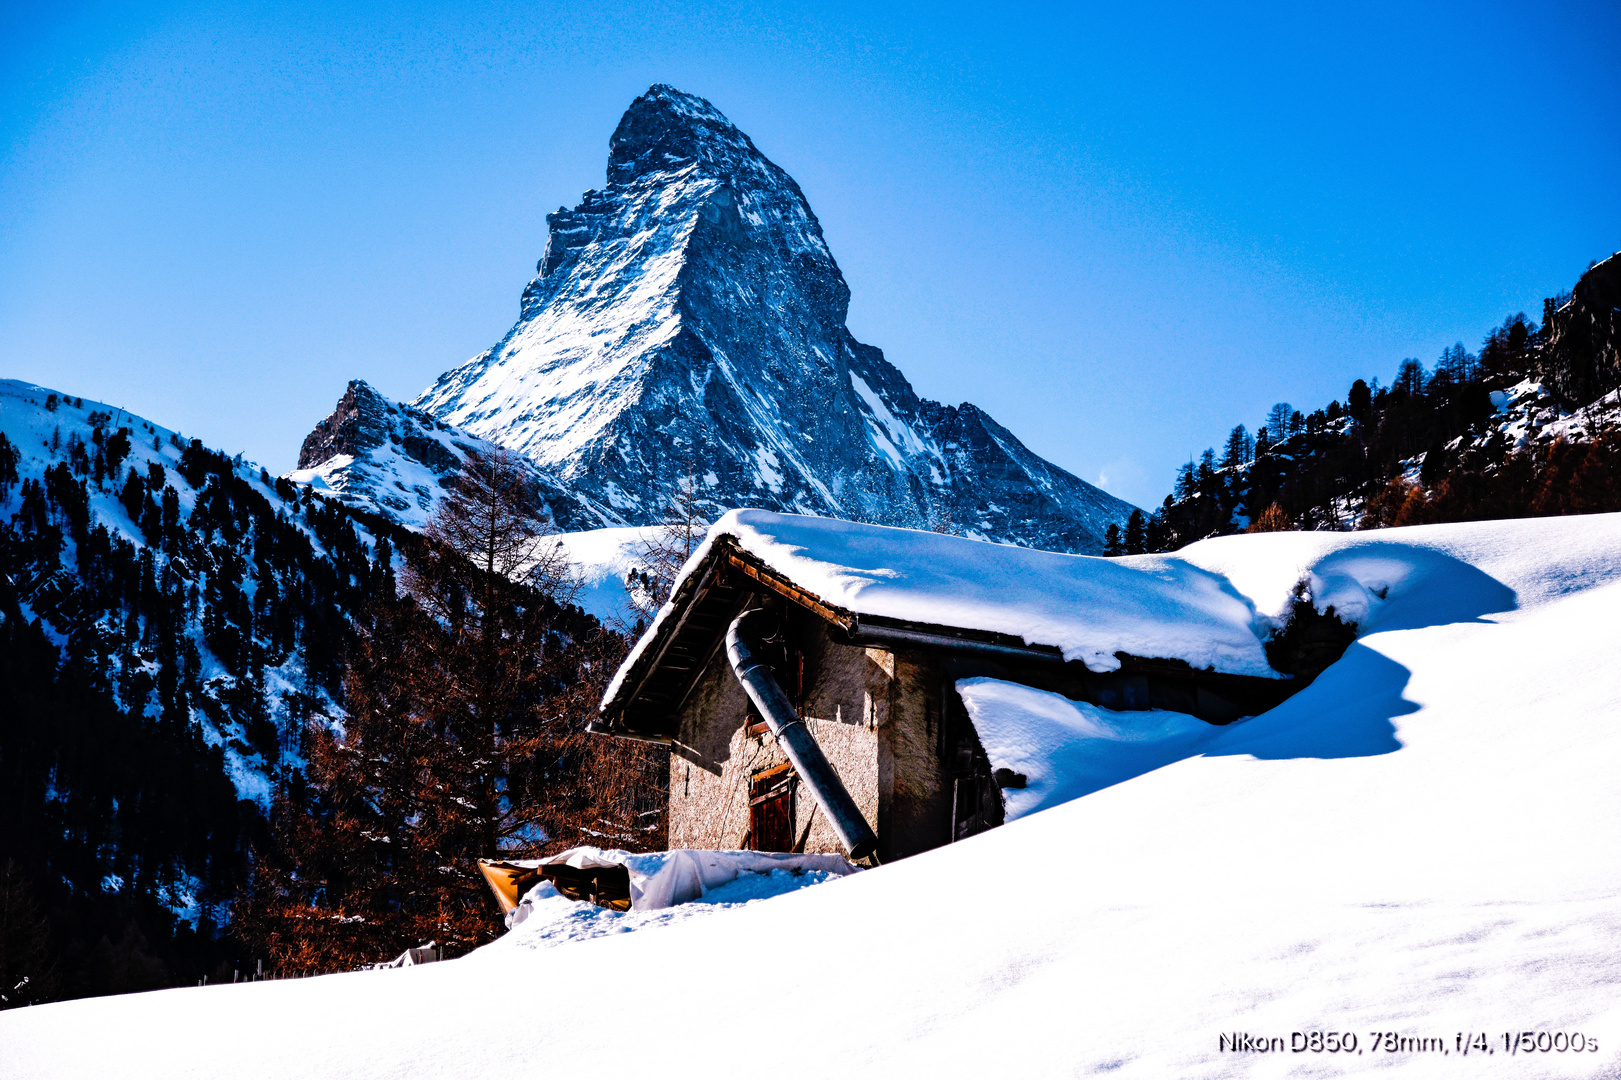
170, 622
1417, 844
689, 320
380, 456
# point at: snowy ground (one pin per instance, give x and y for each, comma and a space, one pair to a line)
601, 558
1423, 842
554, 919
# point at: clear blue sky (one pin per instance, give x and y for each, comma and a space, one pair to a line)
1120, 229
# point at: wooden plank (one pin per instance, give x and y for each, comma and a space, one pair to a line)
783, 587
670, 638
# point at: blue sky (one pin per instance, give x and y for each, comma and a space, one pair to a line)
1120, 229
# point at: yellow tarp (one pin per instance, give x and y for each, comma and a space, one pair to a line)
508, 881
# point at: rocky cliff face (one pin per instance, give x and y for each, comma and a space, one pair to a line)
381, 456
688, 320
1582, 356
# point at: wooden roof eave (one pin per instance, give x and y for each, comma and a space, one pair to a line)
752, 567
684, 600
726, 562
725, 568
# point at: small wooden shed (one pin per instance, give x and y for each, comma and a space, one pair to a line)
867, 631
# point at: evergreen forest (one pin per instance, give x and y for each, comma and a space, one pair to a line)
1528, 426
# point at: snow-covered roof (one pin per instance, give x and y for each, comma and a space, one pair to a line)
1088, 609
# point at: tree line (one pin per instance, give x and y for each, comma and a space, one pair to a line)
1428, 447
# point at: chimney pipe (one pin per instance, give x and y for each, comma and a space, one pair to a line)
743, 641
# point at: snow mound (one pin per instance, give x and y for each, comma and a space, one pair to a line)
664, 879
553, 919
1065, 749
666, 887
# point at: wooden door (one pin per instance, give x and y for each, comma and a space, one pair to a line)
771, 810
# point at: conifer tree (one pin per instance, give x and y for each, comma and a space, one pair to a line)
1238, 450
1136, 539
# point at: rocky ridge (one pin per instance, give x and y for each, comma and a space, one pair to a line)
378, 455
688, 321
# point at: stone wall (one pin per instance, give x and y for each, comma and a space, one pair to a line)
875, 715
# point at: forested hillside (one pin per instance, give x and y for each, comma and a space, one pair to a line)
244, 722
466, 693
1528, 426
172, 625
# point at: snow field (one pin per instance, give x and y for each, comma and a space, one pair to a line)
1423, 841
601, 558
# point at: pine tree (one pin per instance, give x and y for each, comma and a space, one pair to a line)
1239, 449
1113, 543
1186, 482
1136, 539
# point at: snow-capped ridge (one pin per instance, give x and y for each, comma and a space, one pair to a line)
688, 320
395, 460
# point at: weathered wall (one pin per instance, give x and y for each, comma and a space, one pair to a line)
914, 815
845, 703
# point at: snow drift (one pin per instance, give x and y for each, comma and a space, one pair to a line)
663, 879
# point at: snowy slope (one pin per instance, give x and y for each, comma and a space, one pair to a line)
1422, 842
1528, 415
173, 623
70, 431
601, 558
380, 456
688, 320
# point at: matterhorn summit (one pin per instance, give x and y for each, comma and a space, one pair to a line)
686, 324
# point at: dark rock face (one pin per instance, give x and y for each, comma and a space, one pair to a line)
394, 460
1582, 358
358, 424
688, 320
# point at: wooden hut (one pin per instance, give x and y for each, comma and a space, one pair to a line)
866, 632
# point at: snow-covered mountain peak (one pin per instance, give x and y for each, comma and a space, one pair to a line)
667, 128
686, 324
